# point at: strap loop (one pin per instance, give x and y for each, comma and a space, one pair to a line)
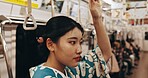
29, 16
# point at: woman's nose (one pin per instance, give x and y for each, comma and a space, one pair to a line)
79, 50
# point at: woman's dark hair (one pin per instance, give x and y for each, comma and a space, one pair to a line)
56, 27
59, 26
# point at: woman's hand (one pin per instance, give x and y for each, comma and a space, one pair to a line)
95, 8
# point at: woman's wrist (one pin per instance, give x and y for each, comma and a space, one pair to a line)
96, 14
97, 18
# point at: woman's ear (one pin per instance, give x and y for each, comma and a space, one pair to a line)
50, 44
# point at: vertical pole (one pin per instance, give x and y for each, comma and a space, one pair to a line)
67, 8
135, 18
79, 12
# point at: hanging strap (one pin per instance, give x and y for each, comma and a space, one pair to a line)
31, 17
29, 7
52, 8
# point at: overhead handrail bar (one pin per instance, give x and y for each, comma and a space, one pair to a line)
29, 15
19, 22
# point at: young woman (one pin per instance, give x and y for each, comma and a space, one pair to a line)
62, 40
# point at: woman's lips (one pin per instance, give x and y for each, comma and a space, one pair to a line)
78, 58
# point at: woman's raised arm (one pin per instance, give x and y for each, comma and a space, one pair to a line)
102, 38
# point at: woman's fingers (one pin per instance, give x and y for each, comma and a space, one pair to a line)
95, 8
94, 4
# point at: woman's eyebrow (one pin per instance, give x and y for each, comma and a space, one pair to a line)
75, 38
72, 38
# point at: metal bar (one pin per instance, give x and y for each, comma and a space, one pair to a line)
18, 22
9, 69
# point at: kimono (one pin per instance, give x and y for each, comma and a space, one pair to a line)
92, 65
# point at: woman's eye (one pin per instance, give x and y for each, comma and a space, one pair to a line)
81, 42
72, 42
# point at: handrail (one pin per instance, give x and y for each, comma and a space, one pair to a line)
10, 20
19, 22
9, 69
29, 16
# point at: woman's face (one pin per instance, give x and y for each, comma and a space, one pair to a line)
68, 48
